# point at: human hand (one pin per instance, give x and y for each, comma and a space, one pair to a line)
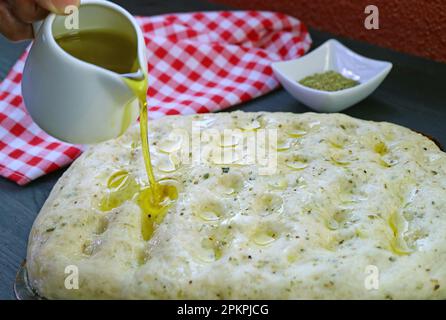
17, 16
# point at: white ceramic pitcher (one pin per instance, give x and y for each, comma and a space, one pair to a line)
71, 99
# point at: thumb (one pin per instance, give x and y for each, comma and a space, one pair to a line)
57, 6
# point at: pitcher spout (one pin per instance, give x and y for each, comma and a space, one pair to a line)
136, 76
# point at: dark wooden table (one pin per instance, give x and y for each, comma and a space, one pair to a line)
413, 95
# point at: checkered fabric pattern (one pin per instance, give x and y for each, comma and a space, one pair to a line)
198, 62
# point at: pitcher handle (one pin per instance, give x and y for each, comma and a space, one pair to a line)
36, 27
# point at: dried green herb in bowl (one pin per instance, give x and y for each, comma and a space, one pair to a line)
328, 81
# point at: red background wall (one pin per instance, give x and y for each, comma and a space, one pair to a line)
413, 26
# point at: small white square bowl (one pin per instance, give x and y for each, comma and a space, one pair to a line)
332, 55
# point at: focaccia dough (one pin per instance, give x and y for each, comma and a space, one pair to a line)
356, 209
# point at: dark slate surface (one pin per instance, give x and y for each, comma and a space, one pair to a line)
413, 95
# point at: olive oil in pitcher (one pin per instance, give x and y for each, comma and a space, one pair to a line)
105, 48
118, 53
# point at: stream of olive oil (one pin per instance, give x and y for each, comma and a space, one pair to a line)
118, 53
155, 199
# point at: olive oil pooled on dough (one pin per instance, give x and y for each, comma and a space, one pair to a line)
118, 53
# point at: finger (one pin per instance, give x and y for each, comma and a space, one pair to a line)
27, 10
57, 6
11, 27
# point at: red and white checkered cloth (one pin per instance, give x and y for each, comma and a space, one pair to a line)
198, 62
